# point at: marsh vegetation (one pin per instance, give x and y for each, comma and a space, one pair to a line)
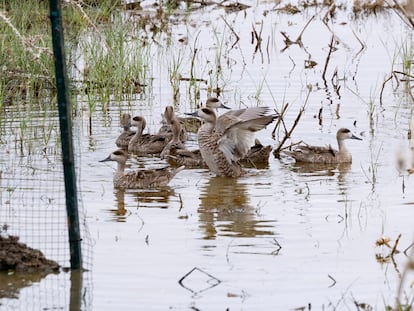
287, 236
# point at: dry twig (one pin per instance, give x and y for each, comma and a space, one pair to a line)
288, 133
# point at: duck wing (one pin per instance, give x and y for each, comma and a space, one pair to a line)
150, 178
313, 154
238, 137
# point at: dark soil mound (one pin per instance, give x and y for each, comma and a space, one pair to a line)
19, 257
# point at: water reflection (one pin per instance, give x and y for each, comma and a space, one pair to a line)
12, 283
120, 212
319, 170
225, 210
158, 198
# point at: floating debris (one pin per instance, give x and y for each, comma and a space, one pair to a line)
197, 281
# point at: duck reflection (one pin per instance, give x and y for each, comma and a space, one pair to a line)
152, 198
318, 170
120, 213
225, 210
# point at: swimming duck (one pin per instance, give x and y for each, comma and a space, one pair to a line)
145, 144
177, 154
166, 128
325, 154
223, 141
186, 157
258, 156
141, 179
123, 139
176, 141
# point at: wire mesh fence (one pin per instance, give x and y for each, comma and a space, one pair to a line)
32, 206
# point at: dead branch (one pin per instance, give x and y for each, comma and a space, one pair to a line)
394, 248
298, 41
328, 57
280, 120
363, 46
394, 74
232, 30
276, 151
383, 86
405, 16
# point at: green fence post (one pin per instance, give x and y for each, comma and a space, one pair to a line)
65, 121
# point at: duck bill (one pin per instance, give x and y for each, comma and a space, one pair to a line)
193, 114
106, 159
355, 137
224, 106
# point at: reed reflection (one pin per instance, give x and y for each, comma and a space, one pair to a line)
225, 210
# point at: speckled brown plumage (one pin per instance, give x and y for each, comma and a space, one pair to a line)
141, 179
145, 144
125, 137
225, 140
325, 154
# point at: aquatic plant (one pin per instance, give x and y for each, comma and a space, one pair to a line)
2, 100
174, 64
407, 56
117, 67
25, 52
402, 68
371, 172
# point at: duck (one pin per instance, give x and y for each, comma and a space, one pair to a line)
224, 140
176, 153
193, 123
166, 128
176, 141
257, 155
325, 154
123, 139
140, 179
186, 157
145, 144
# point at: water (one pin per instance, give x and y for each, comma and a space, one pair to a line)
285, 237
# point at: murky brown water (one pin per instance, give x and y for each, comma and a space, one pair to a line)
280, 238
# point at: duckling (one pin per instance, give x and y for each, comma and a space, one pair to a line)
142, 179
223, 141
325, 154
145, 144
123, 139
